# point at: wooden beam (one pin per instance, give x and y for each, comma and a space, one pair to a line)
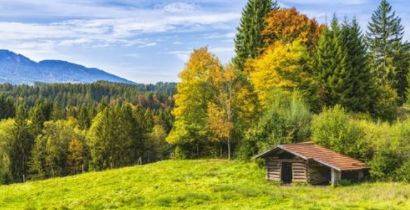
336, 177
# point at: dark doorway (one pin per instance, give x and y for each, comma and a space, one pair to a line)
286, 174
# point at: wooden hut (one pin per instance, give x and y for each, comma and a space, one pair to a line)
310, 163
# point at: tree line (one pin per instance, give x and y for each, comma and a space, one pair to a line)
289, 74
50, 130
292, 80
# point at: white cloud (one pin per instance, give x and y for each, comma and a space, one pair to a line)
182, 55
119, 27
321, 2
179, 7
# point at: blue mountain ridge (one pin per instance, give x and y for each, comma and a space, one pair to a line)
18, 69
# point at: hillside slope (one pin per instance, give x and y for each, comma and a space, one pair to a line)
198, 184
18, 69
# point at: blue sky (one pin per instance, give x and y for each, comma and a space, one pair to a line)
145, 40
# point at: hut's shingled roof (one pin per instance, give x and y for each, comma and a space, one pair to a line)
322, 155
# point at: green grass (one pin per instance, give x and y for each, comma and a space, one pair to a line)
197, 184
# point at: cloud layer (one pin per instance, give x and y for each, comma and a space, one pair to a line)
144, 40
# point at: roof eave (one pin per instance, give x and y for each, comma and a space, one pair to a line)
261, 155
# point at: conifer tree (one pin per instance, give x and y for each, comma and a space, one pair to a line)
331, 64
385, 40
357, 94
342, 65
6, 107
248, 41
22, 144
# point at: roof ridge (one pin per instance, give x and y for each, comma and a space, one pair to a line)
300, 143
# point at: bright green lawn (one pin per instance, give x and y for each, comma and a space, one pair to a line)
198, 184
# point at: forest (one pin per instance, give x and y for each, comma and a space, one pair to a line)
292, 80
50, 130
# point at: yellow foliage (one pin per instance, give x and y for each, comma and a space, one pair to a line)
219, 122
284, 66
199, 78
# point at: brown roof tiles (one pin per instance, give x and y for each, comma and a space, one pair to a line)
322, 155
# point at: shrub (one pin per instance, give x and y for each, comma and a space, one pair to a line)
287, 120
389, 149
334, 129
384, 164
403, 173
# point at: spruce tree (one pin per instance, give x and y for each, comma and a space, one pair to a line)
22, 145
358, 93
384, 36
331, 64
248, 41
6, 107
342, 67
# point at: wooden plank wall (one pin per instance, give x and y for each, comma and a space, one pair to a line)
299, 173
316, 173
273, 168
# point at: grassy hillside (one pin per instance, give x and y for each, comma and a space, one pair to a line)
201, 184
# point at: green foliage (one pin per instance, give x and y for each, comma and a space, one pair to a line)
7, 109
342, 68
21, 144
158, 148
16, 142
54, 153
214, 184
40, 113
385, 147
75, 95
358, 91
249, 40
385, 106
384, 164
334, 129
330, 62
287, 120
391, 148
116, 138
403, 173
6, 139
390, 56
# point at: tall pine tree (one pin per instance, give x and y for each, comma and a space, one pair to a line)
248, 41
358, 92
22, 144
385, 40
331, 64
341, 62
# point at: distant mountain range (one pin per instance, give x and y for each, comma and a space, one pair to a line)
18, 69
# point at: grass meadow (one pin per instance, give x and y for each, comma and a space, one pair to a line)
195, 184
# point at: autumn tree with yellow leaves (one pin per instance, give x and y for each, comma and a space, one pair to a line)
194, 92
282, 66
212, 105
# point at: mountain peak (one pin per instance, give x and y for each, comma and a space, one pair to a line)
18, 69
7, 55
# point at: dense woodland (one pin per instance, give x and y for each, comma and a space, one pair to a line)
49, 130
292, 80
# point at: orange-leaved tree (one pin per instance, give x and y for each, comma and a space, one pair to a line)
288, 25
